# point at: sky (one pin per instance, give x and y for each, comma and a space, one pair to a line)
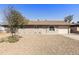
44, 11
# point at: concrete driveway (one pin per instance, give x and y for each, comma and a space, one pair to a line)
72, 36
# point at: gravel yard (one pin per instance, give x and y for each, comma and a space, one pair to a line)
41, 44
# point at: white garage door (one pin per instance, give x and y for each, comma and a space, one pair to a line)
63, 31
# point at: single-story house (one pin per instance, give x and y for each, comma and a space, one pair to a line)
48, 27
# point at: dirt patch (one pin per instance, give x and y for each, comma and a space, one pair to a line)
41, 44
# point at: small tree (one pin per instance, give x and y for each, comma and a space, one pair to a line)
14, 20
68, 19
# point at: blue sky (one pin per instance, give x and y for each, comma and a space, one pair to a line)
45, 11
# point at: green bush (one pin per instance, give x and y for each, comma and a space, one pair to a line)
13, 39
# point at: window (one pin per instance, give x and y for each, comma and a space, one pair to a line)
52, 28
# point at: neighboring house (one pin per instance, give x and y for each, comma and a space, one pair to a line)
2, 29
48, 27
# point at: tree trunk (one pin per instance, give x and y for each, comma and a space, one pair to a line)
68, 28
12, 34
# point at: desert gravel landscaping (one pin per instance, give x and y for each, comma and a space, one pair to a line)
41, 45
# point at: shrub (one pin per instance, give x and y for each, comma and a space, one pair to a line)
13, 39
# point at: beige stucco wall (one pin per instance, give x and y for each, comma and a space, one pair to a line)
36, 31
58, 30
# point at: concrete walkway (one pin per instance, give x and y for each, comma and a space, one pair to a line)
72, 36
